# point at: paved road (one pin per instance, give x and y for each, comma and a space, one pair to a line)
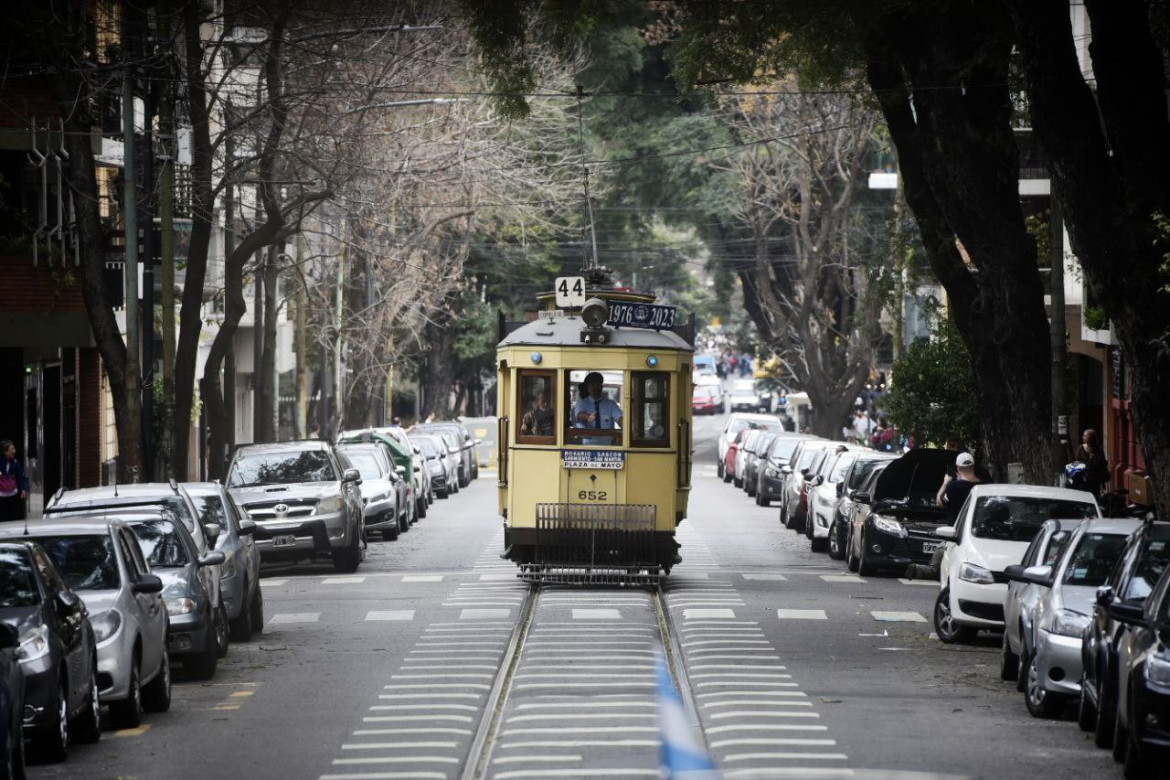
798, 669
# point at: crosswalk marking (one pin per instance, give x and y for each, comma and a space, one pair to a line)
273, 583
897, 617
597, 614
392, 614
699, 614
801, 614
343, 580
766, 577
927, 583
287, 618
853, 578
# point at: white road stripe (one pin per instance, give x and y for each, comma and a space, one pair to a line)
795, 742
849, 578
288, 618
541, 759
396, 745
897, 617
787, 756
597, 614
343, 580
396, 760
801, 614
758, 703
765, 577
760, 713
404, 686
927, 583
416, 718
392, 732
756, 683
274, 583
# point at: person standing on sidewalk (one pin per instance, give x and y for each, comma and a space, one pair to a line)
13, 483
1096, 473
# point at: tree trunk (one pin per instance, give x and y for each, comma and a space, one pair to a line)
438, 377
1109, 160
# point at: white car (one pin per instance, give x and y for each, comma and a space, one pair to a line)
994, 528
745, 395
736, 423
824, 496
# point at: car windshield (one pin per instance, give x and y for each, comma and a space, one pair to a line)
282, 468
86, 562
860, 472
841, 466
742, 423
1018, 518
782, 449
160, 542
17, 586
365, 463
1149, 568
1093, 559
428, 446
806, 459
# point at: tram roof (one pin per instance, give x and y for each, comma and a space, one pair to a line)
566, 332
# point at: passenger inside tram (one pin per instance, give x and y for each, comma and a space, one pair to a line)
538, 420
537, 400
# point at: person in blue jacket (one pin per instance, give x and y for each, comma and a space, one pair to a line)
13, 483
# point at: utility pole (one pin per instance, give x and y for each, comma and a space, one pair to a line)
130, 206
1057, 331
229, 246
166, 209
269, 378
258, 346
301, 415
338, 320
148, 250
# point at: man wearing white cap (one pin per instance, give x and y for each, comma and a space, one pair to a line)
954, 491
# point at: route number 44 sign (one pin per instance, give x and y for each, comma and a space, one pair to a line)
570, 292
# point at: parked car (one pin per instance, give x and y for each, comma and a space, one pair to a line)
401, 453
794, 501
855, 477
770, 477
705, 365
756, 459
440, 462
894, 523
485, 431
1142, 715
824, 494
706, 399
239, 576
744, 455
1145, 558
58, 653
11, 705
193, 614
736, 423
456, 480
101, 561
384, 496
1053, 663
1019, 606
415, 474
304, 504
993, 530
731, 458
745, 394
463, 442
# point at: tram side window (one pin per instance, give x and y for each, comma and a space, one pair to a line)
650, 409
594, 401
537, 410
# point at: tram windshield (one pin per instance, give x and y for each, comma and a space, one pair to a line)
595, 404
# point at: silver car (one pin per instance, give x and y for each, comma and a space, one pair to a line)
441, 464
100, 559
382, 493
304, 502
1053, 663
239, 576
424, 492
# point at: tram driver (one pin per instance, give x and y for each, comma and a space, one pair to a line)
593, 410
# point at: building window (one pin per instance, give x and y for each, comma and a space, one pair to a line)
536, 408
650, 409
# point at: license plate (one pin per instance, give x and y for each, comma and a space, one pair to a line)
285, 540
929, 547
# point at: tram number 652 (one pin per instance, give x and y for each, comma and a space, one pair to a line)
592, 495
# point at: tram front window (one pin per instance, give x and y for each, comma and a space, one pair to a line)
596, 411
537, 412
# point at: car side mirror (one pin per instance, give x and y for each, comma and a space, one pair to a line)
150, 583
247, 527
861, 498
213, 558
1014, 573
1105, 596
945, 532
212, 531
351, 475
68, 599
1038, 575
1131, 614
785, 469
400, 470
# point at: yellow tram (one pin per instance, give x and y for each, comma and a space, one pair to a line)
594, 399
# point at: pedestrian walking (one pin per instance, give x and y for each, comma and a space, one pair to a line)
1096, 473
13, 483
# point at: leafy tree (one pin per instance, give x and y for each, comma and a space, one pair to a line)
932, 390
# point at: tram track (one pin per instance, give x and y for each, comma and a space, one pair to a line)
585, 683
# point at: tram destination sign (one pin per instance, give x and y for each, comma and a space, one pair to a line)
623, 314
593, 459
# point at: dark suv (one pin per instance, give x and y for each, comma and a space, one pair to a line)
304, 502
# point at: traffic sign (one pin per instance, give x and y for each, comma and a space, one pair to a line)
570, 292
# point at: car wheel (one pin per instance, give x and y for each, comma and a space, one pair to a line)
256, 608
819, 545
1040, 703
15, 762
348, 558
54, 744
127, 714
727, 476
1137, 759
203, 665
222, 633
391, 535
420, 511
865, 568
241, 627
1009, 662
1086, 710
1120, 737
86, 728
1021, 668
737, 482
1106, 710
719, 469
851, 562
945, 626
442, 493
835, 551
156, 694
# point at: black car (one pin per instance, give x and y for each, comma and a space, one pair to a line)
58, 653
11, 704
855, 477
1141, 733
893, 525
770, 480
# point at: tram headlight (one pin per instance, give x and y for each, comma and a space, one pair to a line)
595, 312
